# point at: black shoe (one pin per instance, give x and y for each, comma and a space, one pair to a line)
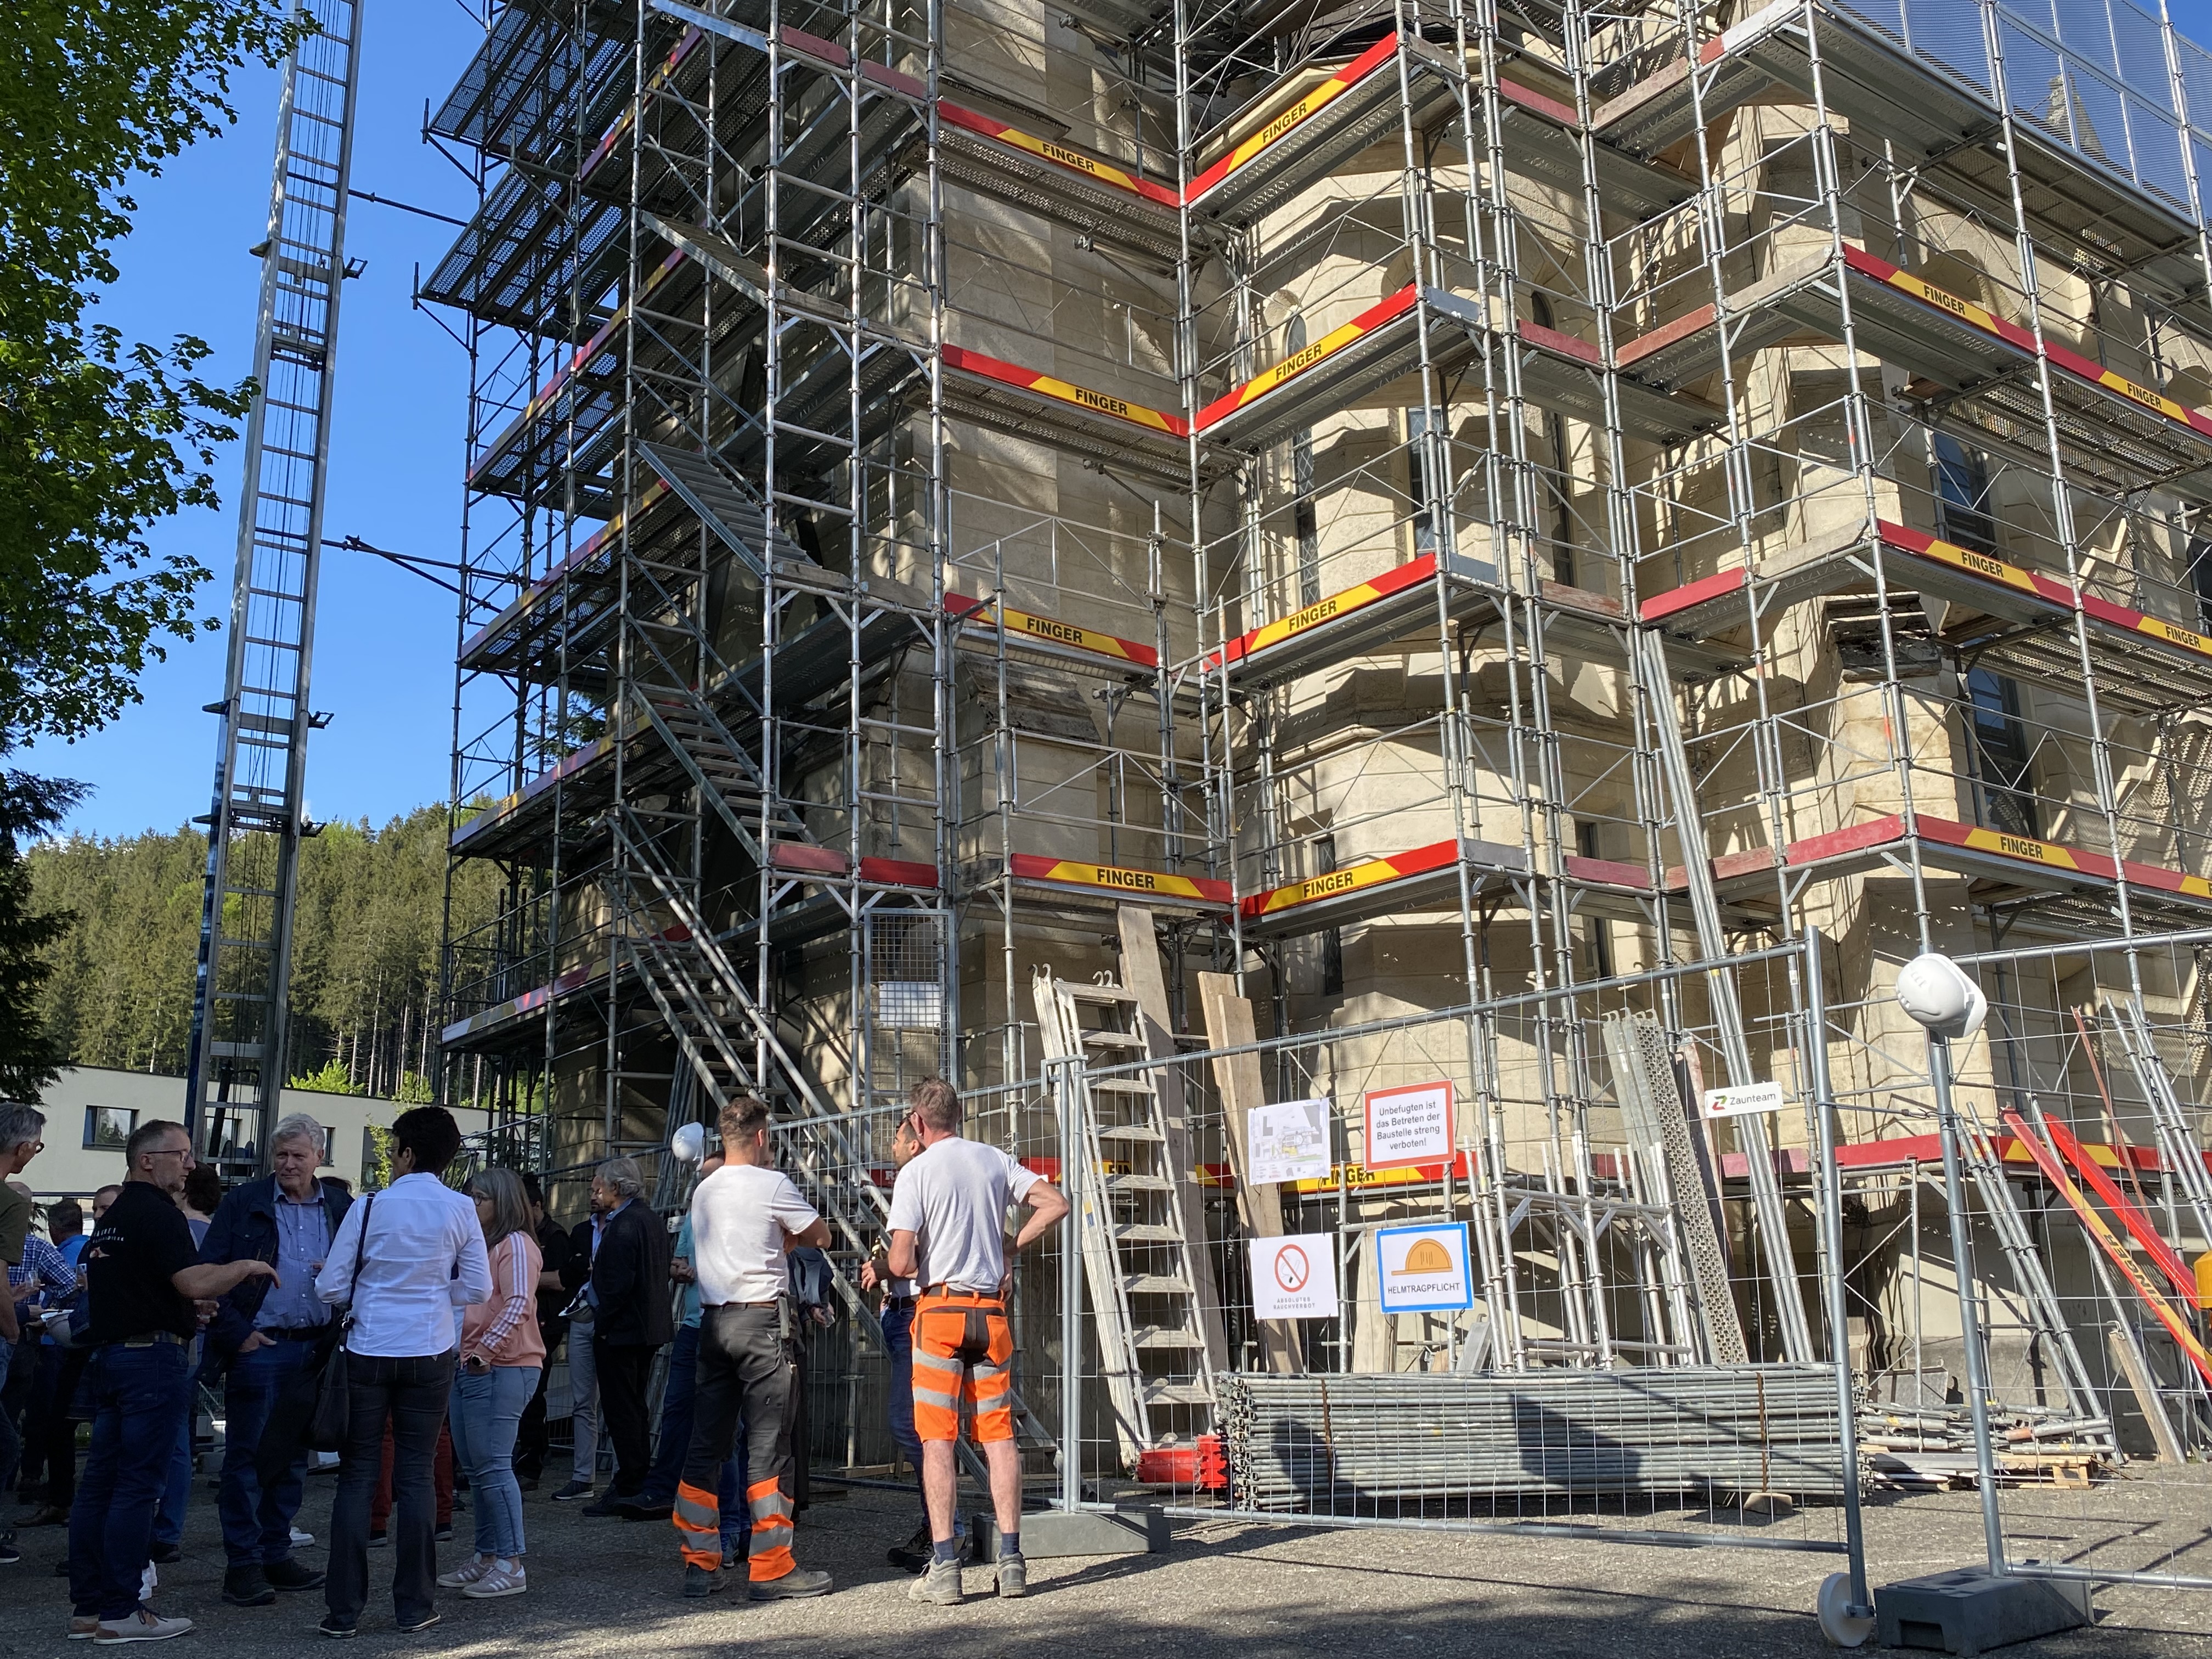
795, 1585
410, 1626
527, 1482
163, 1555
246, 1587
377, 1540
701, 1582
445, 1534
335, 1630
914, 1555
640, 1508
9, 1553
61, 1567
605, 1507
291, 1575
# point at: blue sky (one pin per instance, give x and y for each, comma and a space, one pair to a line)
384, 651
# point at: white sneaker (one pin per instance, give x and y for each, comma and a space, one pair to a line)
143, 1626
301, 1540
504, 1578
467, 1573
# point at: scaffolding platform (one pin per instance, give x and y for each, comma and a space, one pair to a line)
1931, 119
1048, 642
1359, 620
1299, 136
1962, 356
2143, 663
1427, 879
2005, 866
1042, 408
1087, 885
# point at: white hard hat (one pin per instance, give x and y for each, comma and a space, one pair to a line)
689, 1143
1937, 992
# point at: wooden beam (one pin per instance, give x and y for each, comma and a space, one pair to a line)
1229, 1026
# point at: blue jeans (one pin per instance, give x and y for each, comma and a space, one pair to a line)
257, 1524
898, 1337
487, 1412
583, 1404
138, 1398
169, 1519
675, 1443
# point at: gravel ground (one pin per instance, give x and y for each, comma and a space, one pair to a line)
603, 1587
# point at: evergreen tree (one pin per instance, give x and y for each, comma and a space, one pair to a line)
31, 1057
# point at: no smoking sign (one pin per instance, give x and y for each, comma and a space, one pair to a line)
1294, 1278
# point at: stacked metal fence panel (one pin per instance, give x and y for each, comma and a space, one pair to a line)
1346, 1443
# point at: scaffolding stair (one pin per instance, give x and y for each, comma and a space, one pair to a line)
1657, 1124
1137, 1242
713, 1017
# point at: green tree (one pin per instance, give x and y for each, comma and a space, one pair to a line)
330, 1078
100, 439
30, 1055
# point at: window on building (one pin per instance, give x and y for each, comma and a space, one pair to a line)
2200, 580
230, 1136
1962, 496
1418, 490
2002, 761
107, 1128
1597, 930
1304, 519
1332, 938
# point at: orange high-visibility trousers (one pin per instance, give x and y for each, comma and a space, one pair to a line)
964, 1349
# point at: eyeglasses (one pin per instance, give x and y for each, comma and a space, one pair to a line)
171, 1151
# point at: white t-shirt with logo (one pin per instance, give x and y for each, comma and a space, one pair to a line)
954, 1196
739, 1215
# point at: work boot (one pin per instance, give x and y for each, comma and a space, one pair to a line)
246, 1587
799, 1582
913, 1555
291, 1575
940, 1584
702, 1581
1013, 1575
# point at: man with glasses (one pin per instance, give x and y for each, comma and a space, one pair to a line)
144, 1277
19, 1127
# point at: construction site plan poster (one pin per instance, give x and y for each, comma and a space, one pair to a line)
1294, 1277
1288, 1141
1423, 1269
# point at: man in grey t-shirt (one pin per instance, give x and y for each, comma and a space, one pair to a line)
948, 1234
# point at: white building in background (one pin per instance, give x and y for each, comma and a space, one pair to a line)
91, 1111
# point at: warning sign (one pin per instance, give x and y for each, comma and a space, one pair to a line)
1423, 1269
1412, 1125
1294, 1278
1287, 1141
1743, 1099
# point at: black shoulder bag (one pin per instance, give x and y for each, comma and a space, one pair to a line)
327, 1428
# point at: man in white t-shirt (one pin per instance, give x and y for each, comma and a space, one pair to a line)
744, 1217
948, 1234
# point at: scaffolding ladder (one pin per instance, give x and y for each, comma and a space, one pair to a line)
2178, 1144
1137, 1241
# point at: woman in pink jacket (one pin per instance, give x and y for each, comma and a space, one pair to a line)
501, 1353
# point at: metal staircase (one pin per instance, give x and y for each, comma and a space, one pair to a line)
1137, 1240
666, 940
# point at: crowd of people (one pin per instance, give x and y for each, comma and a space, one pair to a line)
410, 1331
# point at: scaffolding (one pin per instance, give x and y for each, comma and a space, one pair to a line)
1406, 505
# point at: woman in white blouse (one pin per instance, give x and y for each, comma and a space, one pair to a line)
405, 1259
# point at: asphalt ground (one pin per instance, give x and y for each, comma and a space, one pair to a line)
607, 1587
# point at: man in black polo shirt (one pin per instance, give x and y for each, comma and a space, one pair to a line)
144, 1274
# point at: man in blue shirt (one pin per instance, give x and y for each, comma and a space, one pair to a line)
271, 1333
